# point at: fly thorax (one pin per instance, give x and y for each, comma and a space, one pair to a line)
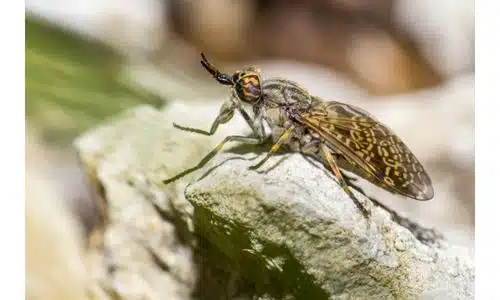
275, 116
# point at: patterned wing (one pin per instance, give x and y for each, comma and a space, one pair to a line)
371, 149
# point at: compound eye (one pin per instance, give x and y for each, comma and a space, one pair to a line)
249, 89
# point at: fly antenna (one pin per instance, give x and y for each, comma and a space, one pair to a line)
220, 77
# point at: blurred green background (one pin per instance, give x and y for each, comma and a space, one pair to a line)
73, 83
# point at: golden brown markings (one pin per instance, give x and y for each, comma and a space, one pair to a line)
345, 140
390, 162
321, 113
382, 151
408, 158
400, 148
354, 124
365, 151
342, 143
356, 136
373, 140
389, 180
253, 80
249, 87
387, 170
369, 135
354, 120
356, 144
384, 143
368, 146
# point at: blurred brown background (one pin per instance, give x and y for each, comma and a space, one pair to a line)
408, 62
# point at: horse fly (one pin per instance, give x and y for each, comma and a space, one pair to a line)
337, 134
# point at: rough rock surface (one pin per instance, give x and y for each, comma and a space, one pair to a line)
291, 228
286, 231
143, 250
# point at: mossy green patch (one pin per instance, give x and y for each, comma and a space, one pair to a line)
269, 268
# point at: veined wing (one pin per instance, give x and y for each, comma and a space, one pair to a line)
373, 150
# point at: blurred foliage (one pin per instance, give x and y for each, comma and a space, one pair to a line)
73, 82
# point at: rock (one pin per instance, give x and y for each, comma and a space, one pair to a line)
286, 231
291, 228
144, 249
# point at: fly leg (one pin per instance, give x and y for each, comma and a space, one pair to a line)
226, 113
283, 138
211, 154
336, 171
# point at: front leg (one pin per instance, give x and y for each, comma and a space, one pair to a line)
259, 138
226, 113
